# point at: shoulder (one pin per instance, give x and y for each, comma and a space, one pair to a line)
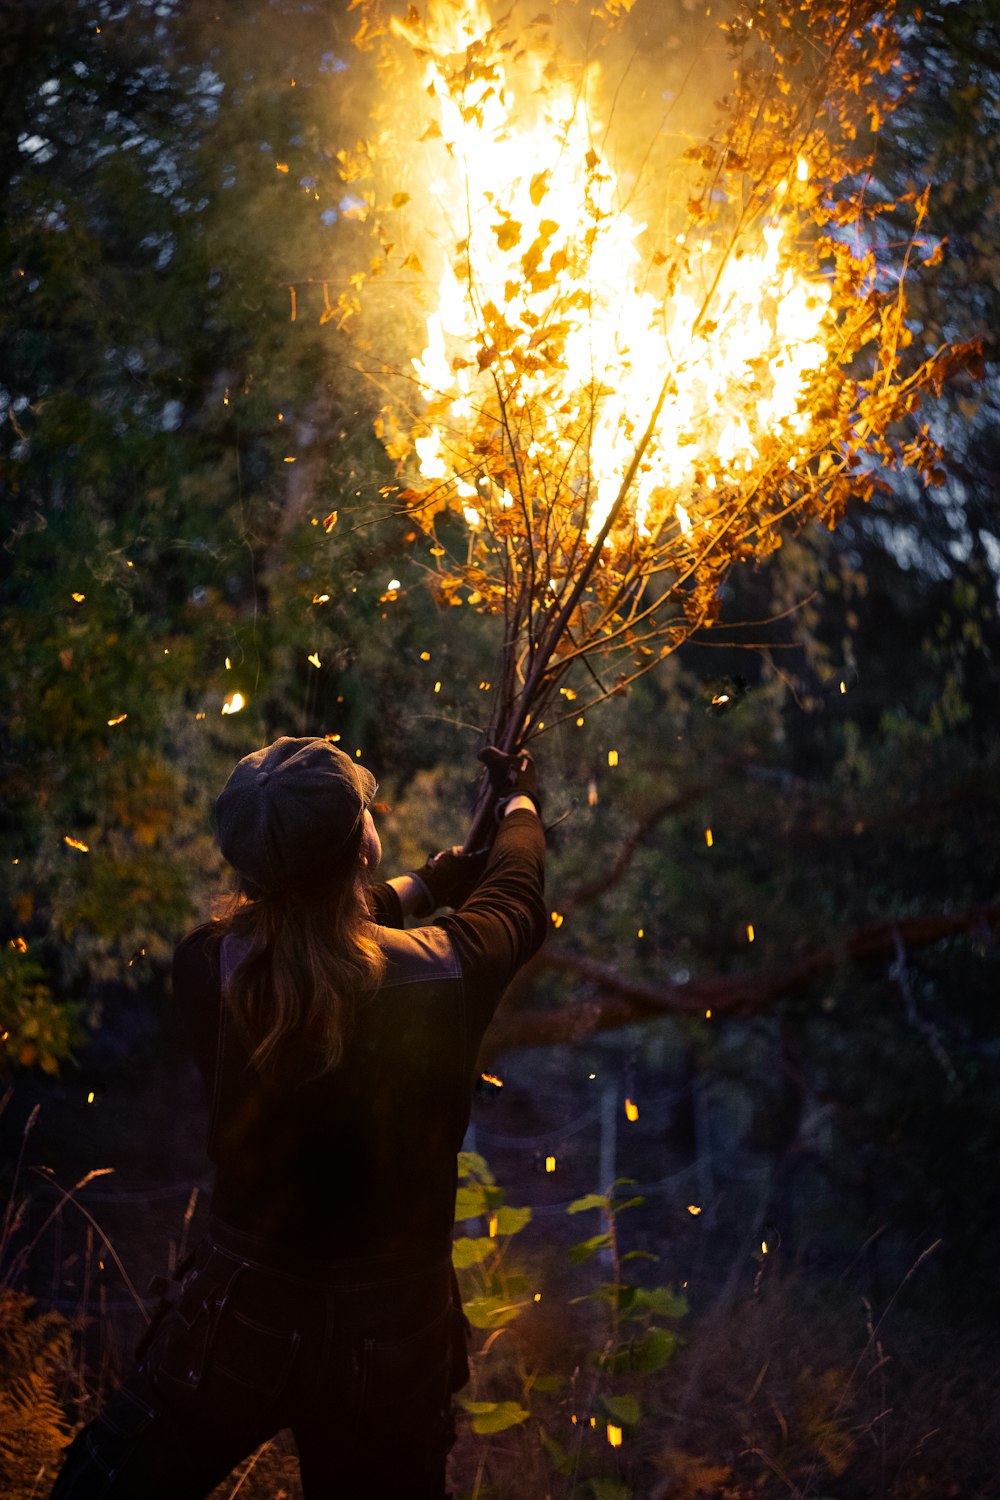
417, 956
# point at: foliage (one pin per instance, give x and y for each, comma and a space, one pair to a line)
33, 1428
637, 412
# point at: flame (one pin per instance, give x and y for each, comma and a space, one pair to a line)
547, 284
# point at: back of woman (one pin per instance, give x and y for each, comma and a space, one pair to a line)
339, 1053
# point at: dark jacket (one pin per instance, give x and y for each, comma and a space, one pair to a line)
362, 1161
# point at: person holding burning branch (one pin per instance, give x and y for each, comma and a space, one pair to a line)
339, 1052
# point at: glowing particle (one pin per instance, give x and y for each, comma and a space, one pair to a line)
139, 954
591, 1075
592, 794
78, 598
492, 1078
708, 1015
321, 598
18, 945
612, 757
282, 166
641, 932
719, 698
708, 837
843, 685
314, 658
234, 703
394, 583
357, 754
750, 932
437, 687
90, 1097
425, 656
200, 715
484, 687
76, 844
579, 723
694, 1209
229, 665
120, 719
557, 919
289, 459
550, 1164
763, 1247
801, 168
538, 1296
281, 416
493, 1226
614, 1435
593, 1421
631, 1110
333, 738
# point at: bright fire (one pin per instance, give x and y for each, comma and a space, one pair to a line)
557, 316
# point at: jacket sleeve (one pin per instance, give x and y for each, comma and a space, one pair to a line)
503, 922
384, 906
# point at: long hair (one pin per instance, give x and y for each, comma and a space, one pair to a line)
313, 958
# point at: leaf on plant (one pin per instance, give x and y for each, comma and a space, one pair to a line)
624, 1409
470, 1203
511, 1220
586, 1248
590, 1200
494, 1416
466, 1252
648, 1354
492, 1312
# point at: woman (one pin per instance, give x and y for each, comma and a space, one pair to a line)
339, 1052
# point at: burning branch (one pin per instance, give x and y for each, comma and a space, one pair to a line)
609, 412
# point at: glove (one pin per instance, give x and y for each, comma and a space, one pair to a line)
450, 876
511, 776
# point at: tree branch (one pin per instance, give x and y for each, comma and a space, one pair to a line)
622, 1001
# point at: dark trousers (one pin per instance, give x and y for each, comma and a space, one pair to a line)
361, 1370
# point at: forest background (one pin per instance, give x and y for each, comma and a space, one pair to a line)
173, 446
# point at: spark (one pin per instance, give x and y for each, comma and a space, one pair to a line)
229, 665
538, 1296
614, 1435
425, 656
750, 932
90, 1097
321, 598
437, 687
708, 1015
76, 844
550, 1164
557, 919
493, 1226
694, 1209
233, 704
763, 1247
719, 698
394, 583
709, 840
120, 719
641, 932
281, 166
612, 757
314, 659
492, 1078
631, 1110
78, 598
843, 687
290, 459
18, 944
200, 714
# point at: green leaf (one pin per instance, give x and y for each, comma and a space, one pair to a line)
511, 1220
494, 1416
591, 1200
647, 1354
466, 1252
471, 1164
658, 1302
492, 1312
624, 1409
470, 1203
586, 1248
548, 1383
639, 1255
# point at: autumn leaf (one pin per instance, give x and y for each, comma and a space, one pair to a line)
508, 233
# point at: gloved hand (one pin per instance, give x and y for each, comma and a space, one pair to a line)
511, 776
450, 876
